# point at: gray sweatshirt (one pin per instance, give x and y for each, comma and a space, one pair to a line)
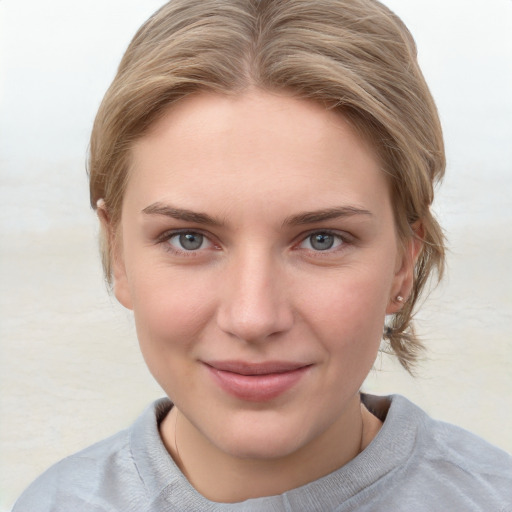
414, 464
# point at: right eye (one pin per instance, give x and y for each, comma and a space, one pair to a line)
188, 241
322, 241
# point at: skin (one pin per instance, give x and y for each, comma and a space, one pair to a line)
256, 289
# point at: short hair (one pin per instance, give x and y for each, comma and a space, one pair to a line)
353, 56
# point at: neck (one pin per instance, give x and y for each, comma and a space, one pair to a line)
234, 479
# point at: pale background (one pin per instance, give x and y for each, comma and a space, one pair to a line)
70, 368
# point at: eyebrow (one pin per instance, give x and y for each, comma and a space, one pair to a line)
294, 220
181, 214
326, 214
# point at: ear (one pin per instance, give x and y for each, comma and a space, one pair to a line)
113, 240
403, 281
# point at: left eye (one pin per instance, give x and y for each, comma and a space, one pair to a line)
189, 241
321, 241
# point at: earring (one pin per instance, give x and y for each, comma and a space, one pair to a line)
399, 299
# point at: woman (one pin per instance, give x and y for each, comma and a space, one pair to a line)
263, 173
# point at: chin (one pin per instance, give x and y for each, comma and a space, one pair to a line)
261, 447
261, 439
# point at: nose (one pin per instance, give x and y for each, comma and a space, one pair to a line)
255, 305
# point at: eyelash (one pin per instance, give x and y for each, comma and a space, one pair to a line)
165, 239
343, 240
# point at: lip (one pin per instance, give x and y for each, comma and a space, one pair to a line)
256, 382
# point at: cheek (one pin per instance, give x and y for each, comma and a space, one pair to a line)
352, 305
169, 320
352, 324
170, 314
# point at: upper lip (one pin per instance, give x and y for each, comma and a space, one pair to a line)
246, 368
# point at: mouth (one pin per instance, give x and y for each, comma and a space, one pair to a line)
256, 382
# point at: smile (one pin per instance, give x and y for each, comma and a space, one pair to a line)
256, 382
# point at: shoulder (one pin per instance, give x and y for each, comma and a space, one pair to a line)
453, 465
454, 447
465, 450
80, 481
103, 477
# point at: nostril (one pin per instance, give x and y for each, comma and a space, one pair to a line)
255, 321
253, 304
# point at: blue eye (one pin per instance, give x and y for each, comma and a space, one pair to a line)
322, 241
188, 241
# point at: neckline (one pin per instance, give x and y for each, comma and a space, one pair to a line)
392, 445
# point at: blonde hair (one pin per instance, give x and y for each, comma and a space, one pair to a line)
354, 56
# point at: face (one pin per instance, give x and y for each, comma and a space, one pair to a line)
259, 255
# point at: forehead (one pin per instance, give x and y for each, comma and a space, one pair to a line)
255, 148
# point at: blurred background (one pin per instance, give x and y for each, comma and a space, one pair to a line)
70, 369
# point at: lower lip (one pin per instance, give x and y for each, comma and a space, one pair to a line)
257, 388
